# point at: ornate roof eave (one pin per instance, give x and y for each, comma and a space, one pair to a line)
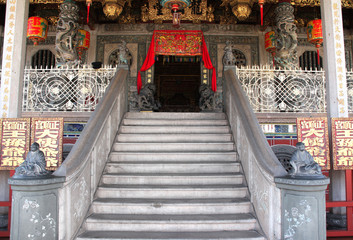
301, 3
312, 3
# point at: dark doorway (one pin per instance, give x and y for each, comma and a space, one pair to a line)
177, 80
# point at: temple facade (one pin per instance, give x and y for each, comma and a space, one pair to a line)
176, 54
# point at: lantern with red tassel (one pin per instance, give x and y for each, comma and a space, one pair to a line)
88, 3
270, 44
314, 32
84, 38
37, 29
261, 4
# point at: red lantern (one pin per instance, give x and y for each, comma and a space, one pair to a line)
314, 32
37, 29
261, 3
84, 38
270, 44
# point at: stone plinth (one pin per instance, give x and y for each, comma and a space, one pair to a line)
35, 207
303, 207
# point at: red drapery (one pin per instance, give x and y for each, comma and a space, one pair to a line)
179, 43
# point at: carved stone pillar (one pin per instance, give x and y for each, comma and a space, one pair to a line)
286, 54
66, 34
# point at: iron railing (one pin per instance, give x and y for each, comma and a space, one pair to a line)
272, 90
64, 89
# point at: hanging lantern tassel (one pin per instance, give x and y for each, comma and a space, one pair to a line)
88, 2
261, 3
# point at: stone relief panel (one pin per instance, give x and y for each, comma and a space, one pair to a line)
80, 198
133, 48
299, 214
38, 217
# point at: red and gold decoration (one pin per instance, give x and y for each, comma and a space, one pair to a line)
270, 44
180, 43
175, 6
15, 136
314, 32
261, 4
342, 143
88, 3
48, 133
37, 29
313, 132
84, 38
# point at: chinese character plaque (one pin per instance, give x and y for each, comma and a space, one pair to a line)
48, 133
342, 143
313, 132
15, 135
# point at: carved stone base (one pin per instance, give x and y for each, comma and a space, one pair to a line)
35, 208
303, 208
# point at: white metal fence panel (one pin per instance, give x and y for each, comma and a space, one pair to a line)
64, 89
272, 90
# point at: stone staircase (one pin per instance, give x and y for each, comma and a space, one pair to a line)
172, 176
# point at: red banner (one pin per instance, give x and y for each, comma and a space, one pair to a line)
313, 132
14, 134
180, 43
48, 133
342, 143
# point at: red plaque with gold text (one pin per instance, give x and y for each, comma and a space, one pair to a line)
15, 136
48, 133
342, 143
313, 132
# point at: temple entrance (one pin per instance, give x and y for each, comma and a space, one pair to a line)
177, 80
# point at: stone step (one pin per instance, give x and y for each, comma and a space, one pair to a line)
175, 115
163, 222
174, 122
173, 156
172, 167
175, 129
172, 191
186, 138
173, 178
171, 206
171, 147
206, 235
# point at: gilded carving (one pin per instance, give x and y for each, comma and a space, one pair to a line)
151, 13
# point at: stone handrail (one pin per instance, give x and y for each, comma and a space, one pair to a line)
84, 165
260, 164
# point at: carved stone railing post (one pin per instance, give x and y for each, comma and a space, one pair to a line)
303, 208
35, 208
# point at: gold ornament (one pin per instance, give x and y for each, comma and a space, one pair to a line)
113, 8
242, 11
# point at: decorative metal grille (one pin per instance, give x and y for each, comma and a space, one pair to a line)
350, 90
64, 89
272, 90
